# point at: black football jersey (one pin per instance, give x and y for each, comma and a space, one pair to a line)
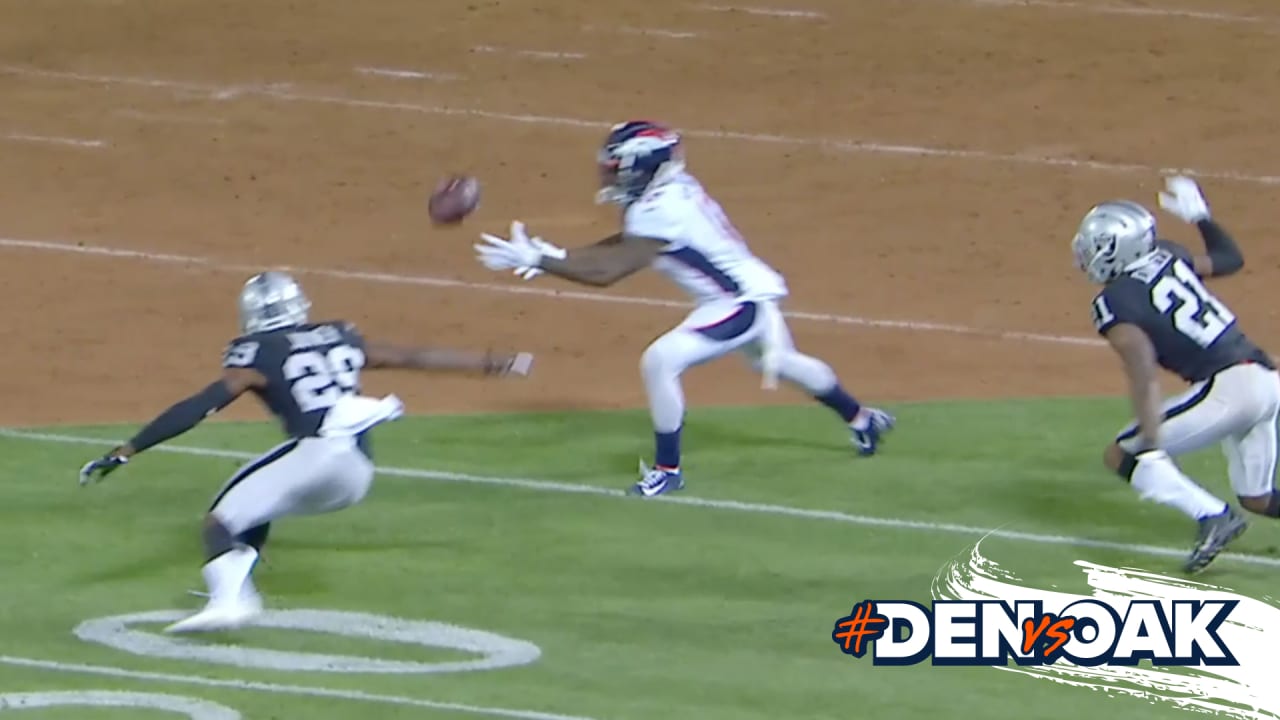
308, 367
1195, 334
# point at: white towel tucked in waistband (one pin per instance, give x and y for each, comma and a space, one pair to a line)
353, 414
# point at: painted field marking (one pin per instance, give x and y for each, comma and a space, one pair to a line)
652, 32
495, 651
1131, 10
536, 54
708, 503
50, 140
658, 32
837, 145
192, 708
765, 11
405, 74
280, 689
439, 282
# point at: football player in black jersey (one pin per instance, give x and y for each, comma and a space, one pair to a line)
1155, 312
307, 374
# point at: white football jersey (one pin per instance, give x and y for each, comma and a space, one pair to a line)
705, 255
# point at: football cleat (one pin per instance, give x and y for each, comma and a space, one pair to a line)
868, 427
656, 481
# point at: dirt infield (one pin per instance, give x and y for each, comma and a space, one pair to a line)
922, 161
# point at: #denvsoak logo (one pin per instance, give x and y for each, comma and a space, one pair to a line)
995, 632
1132, 633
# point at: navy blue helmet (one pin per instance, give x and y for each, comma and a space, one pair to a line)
634, 155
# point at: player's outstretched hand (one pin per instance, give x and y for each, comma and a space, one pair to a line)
520, 364
96, 470
1183, 199
520, 254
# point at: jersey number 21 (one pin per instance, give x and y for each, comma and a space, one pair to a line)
1199, 315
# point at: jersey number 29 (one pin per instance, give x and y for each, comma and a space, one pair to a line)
317, 379
1199, 315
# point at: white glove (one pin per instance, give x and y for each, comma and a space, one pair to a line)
548, 250
1184, 200
520, 252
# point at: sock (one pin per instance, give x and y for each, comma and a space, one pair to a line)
226, 574
841, 402
1273, 505
667, 454
217, 539
1160, 480
255, 537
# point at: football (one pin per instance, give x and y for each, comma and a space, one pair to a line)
454, 199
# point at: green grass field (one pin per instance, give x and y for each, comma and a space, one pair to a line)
716, 606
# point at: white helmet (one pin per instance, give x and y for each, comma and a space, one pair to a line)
270, 301
1111, 237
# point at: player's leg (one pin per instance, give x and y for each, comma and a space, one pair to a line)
230, 526
1192, 420
819, 381
1207, 414
708, 333
1251, 455
298, 477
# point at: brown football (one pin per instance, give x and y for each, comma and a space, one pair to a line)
454, 199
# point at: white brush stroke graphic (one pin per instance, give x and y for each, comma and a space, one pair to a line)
1250, 691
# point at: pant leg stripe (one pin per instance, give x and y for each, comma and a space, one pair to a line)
1173, 412
275, 454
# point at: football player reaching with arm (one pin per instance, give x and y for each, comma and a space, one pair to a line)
1155, 313
1221, 256
236, 381
605, 263
307, 374
601, 264
670, 223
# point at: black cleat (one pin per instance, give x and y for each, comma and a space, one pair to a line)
1216, 532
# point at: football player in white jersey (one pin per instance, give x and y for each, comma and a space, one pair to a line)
671, 224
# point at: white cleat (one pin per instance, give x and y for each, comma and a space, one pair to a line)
221, 615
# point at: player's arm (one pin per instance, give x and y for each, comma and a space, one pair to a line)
387, 356
1139, 358
606, 262
178, 419
1221, 257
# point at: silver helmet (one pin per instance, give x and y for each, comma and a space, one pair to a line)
1112, 236
272, 300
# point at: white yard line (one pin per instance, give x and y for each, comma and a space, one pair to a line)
652, 32
535, 54
405, 74
1131, 10
276, 92
765, 11
281, 689
529, 290
658, 32
905, 524
51, 140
